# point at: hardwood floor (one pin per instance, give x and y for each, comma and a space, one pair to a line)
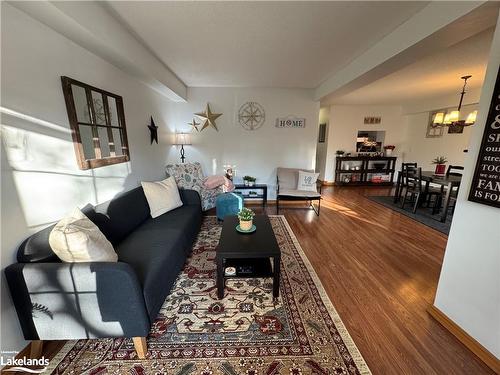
380, 269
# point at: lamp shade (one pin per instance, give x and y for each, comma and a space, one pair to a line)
471, 118
438, 118
447, 120
454, 116
182, 139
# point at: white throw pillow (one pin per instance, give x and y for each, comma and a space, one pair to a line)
162, 196
77, 239
307, 181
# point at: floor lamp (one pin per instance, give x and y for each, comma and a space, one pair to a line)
182, 139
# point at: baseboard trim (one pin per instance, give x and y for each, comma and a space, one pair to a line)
475, 347
327, 183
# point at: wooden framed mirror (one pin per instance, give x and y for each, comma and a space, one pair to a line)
97, 123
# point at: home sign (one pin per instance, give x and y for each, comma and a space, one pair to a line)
290, 122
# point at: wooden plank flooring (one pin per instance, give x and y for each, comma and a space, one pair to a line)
380, 269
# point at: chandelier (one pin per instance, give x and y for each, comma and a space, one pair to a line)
453, 117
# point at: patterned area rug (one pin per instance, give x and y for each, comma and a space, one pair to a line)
247, 332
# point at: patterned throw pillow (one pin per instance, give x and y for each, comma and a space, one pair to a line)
307, 181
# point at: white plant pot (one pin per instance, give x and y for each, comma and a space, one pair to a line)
388, 152
246, 224
251, 183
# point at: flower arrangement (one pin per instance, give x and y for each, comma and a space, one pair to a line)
339, 152
246, 218
389, 147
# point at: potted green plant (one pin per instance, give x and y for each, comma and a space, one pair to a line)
388, 149
246, 218
339, 153
440, 162
249, 180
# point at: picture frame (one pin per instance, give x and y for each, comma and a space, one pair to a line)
372, 120
322, 133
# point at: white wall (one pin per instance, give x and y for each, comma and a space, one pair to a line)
322, 148
423, 150
40, 178
469, 286
346, 120
257, 153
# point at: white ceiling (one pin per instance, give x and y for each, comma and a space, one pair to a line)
260, 44
437, 75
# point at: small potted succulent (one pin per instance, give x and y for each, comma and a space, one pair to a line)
339, 153
249, 180
440, 162
388, 149
246, 218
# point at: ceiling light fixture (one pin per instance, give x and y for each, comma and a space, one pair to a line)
453, 117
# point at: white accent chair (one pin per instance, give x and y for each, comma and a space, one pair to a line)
286, 188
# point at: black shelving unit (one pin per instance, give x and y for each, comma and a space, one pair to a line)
363, 175
241, 188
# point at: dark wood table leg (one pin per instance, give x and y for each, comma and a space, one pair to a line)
446, 202
264, 199
276, 276
398, 188
220, 277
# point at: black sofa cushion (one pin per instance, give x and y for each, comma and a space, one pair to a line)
157, 251
36, 248
121, 215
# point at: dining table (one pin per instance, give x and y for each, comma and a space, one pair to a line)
449, 182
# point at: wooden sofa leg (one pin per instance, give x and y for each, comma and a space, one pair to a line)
140, 346
36, 347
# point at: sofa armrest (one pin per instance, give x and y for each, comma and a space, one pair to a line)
62, 301
190, 197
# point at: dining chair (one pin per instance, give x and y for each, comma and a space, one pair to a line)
404, 167
453, 170
412, 181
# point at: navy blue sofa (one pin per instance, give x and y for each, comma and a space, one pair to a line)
61, 301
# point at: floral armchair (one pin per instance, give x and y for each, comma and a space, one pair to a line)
190, 176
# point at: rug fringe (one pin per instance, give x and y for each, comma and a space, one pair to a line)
61, 354
339, 324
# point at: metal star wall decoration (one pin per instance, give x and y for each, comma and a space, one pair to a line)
194, 124
153, 130
208, 118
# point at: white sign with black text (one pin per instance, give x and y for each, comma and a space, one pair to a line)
290, 122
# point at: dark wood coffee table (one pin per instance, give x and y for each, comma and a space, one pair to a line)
252, 250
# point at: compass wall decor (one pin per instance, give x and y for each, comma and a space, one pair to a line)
251, 116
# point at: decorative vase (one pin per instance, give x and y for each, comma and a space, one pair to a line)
251, 183
388, 152
246, 224
440, 169
245, 182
